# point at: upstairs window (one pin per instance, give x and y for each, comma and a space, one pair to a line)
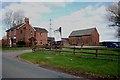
24, 28
21, 31
14, 32
78, 37
40, 34
10, 33
31, 33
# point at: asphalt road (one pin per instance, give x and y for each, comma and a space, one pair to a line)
12, 67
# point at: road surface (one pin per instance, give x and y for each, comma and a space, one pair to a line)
12, 67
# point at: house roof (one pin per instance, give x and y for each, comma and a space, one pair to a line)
82, 32
51, 39
22, 24
15, 27
42, 30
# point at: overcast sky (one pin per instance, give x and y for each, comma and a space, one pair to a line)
69, 15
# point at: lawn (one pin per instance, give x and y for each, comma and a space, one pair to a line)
100, 53
14, 48
73, 63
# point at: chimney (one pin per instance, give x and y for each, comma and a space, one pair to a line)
26, 20
14, 24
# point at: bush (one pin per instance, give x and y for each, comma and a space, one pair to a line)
21, 43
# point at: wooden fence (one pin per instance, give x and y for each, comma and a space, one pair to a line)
96, 52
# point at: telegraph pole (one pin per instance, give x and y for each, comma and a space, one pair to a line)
50, 28
50, 32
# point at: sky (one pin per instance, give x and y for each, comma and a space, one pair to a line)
68, 14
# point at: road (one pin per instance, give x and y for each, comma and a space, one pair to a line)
12, 67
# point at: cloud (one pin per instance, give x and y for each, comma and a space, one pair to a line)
60, 0
33, 10
55, 4
88, 17
30, 9
47, 0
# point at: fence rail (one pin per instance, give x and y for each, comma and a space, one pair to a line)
96, 53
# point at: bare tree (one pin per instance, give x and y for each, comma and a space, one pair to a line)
10, 17
114, 16
7, 19
18, 17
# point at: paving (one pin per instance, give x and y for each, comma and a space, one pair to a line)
12, 67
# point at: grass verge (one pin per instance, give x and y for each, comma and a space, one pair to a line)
14, 48
74, 64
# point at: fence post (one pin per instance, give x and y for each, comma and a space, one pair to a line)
60, 50
74, 50
33, 49
96, 52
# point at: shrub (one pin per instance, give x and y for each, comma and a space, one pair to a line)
21, 43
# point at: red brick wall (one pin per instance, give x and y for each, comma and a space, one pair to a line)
0, 42
42, 39
20, 34
95, 37
10, 35
7, 38
88, 40
73, 40
28, 34
3, 42
24, 33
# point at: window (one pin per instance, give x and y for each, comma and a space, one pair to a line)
21, 31
14, 40
40, 42
14, 32
10, 33
40, 34
31, 33
24, 28
78, 37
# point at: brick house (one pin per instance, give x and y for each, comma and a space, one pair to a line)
0, 42
65, 41
3, 42
51, 40
87, 37
26, 33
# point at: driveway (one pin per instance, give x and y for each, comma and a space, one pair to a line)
12, 67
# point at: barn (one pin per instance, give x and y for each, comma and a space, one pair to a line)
87, 37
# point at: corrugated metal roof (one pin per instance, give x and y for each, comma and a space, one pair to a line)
42, 30
82, 32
